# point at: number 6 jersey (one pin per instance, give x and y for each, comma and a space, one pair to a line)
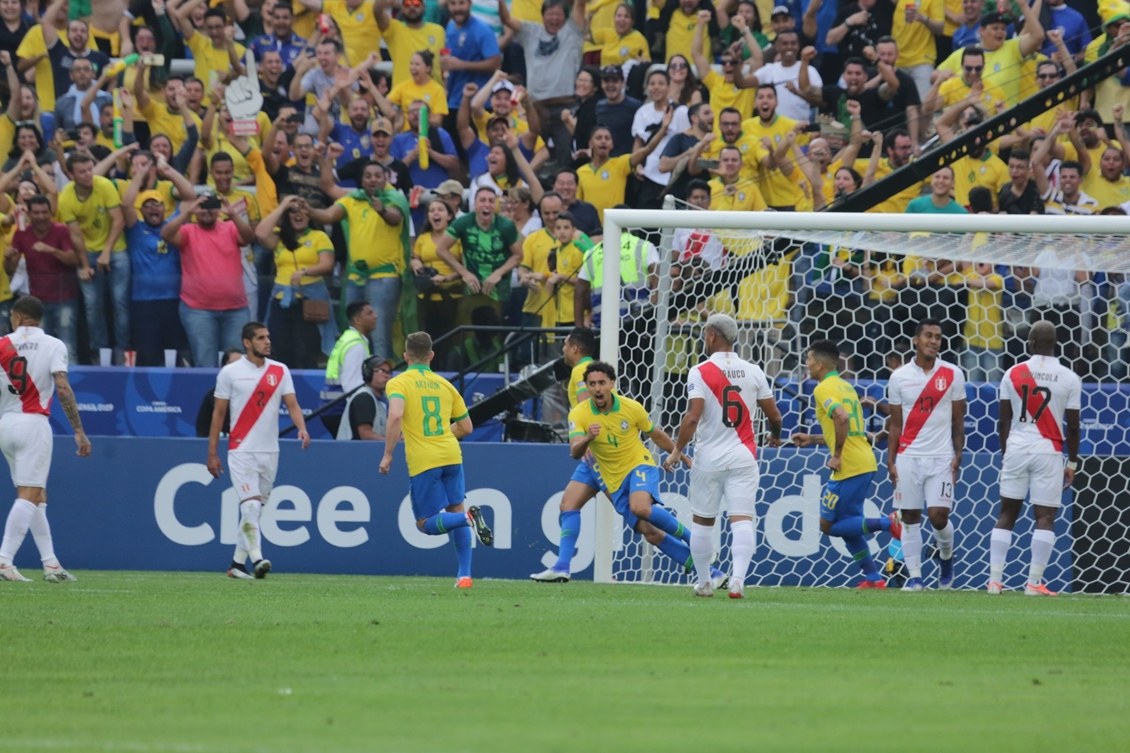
29, 359
1041, 390
730, 389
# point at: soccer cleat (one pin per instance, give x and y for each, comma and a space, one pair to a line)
464, 582
704, 589
866, 584
56, 574
549, 575
262, 567
995, 588
1038, 589
945, 579
737, 590
913, 584
896, 525
479, 523
238, 573
9, 572
718, 579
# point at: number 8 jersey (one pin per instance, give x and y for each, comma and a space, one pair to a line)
431, 405
29, 358
1041, 390
730, 389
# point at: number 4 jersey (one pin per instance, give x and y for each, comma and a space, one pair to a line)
729, 388
29, 359
927, 399
1041, 390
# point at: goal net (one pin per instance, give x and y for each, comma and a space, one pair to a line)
864, 281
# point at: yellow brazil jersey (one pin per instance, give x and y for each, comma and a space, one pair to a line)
954, 8
955, 90
431, 405
604, 187
833, 392
33, 46
569, 259
915, 41
725, 94
311, 246
432, 94
92, 213
359, 30
896, 204
536, 248
1107, 193
211, 63
530, 10
617, 50
753, 152
1002, 69
236, 195
403, 42
618, 448
776, 188
578, 389
988, 171
745, 198
425, 251
680, 35
168, 123
371, 239
517, 124
984, 325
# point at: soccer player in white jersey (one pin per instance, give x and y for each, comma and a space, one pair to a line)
1040, 397
254, 386
33, 367
722, 391
927, 437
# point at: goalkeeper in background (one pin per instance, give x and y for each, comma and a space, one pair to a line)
852, 463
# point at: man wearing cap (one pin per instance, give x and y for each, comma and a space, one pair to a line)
213, 307
155, 280
407, 35
442, 158
503, 97
366, 410
450, 192
398, 174
497, 129
1003, 57
1113, 27
617, 110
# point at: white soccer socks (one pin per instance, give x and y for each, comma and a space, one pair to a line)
15, 529
702, 550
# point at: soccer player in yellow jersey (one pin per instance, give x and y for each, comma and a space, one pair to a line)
852, 463
431, 414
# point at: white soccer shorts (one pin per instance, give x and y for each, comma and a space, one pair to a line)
26, 441
735, 488
925, 479
253, 474
1039, 475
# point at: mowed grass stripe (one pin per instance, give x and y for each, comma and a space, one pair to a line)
197, 662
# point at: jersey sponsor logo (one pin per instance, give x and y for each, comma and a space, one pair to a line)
1036, 400
251, 412
924, 405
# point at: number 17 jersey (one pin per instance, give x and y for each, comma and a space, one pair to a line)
1041, 390
729, 388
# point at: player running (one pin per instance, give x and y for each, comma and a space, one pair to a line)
721, 392
254, 386
1038, 397
852, 463
33, 367
927, 436
577, 351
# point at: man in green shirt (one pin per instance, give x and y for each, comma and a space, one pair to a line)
940, 199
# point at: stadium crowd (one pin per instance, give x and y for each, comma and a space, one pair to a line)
449, 162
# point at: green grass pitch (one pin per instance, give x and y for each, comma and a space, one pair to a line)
192, 662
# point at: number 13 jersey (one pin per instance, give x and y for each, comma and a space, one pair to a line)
1041, 390
729, 388
29, 359
926, 399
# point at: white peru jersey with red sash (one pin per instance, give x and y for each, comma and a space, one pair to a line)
927, 399
1041, 391
29, 360
730, 389
255, 393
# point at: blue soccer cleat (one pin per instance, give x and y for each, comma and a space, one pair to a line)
945, 579
913, 584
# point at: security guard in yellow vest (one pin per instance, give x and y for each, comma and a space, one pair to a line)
343, 369
639, 270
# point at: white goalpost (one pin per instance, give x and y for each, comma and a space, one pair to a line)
864, 280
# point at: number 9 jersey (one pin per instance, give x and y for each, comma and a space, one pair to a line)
730, 389
858, 457
29, 358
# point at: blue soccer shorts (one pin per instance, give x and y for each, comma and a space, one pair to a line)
643, 478
844, 498
436, 489
587, 474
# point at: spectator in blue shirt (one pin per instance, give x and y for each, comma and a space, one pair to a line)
1076, 34
473, 52
282, 38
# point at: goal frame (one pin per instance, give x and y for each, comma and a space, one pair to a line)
608, 524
